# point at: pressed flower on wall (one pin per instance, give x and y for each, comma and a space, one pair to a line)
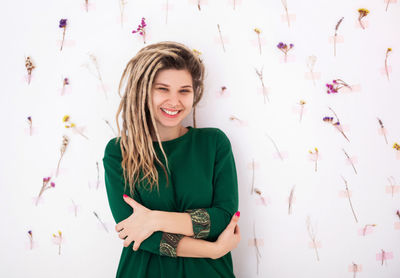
382, 129
312, 235
291, 196
256, 244
30, 239
336, 85
383, 256
398, 213
276, 147
196, 52
361, 14
45, 186
315, 157
252, 176
261, 196
65, 82
311, 60
366, 227
260, 76
348, 197
104, 226
29, 67
198, 5
63, 25
234, 118
30, 125
285, 49
87, 5
302, 102
258, 32
285, 6
220, 37
396, 146
350, 161
68, 124
386, 65
223, 89
141, 29
335, 124
57, 239
98, 175
63, 148
97, 74
122, 4
335, 36
387, 4
392, 182
109, 125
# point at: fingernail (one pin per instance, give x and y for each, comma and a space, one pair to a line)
125, 195
237, 213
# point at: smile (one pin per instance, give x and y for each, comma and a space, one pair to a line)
169, 113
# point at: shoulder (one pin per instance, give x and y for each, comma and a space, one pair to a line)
113, 147
215, 134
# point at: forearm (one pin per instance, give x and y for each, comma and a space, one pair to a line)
173, 222
197, 248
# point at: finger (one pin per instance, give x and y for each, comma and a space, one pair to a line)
128, 241
118, 227
122, 234
233, 222
130, 201
237, 230
136, 245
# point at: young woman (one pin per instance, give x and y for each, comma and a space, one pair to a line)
179, 211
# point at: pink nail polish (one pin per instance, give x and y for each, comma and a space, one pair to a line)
125, 195
237, 213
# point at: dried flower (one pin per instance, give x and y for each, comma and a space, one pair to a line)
73, 126
65, 82
366, 227
220, 37
63, 148
196, 52
260, 194
284, 48
260, 76
386, 66
311, 60
87, 5
29, 67
223, 89
396, 146
362, 13
45, 187
63, 24
336, 124
349, 159
312, 235
284, 3
58, 240
336, 85
30, 125
141, 29
348, 196
335, 36
104, 226
316, 156
302, 102
291, 200
382, 129
97, 74
398, 213
30, 239
122, 4
258, 32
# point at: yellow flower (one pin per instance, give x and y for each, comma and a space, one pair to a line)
258, 31
396, 146
316, 149
389, 49
302, 102
66, 118
198, 53
363, 11
59, 232
72, 125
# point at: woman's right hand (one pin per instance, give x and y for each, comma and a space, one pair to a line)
229, 238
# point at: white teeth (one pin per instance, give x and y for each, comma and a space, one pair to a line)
170, 113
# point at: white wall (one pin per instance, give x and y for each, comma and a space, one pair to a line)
31, 28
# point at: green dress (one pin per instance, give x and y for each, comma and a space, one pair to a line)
202, 182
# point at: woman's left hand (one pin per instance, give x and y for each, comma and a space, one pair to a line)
136, 227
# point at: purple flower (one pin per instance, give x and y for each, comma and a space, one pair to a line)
52, 184
63, 23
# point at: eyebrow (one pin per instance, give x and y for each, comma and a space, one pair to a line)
168, 85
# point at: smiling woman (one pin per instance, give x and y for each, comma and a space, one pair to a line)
188, 226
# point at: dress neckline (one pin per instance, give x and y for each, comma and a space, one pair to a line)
178, 139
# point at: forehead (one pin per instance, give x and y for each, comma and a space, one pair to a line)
173, 77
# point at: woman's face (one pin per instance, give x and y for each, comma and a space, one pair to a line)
172, 92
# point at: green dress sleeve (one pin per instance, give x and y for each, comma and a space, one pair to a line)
160, 243
208, 223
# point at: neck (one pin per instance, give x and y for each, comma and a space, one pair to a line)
169, 133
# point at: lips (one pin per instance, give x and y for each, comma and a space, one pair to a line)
168, 115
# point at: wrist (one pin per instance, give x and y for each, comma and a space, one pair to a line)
216, 250
155, 220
